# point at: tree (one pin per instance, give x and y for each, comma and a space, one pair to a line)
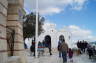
29, 25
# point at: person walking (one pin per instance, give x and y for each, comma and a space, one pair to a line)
70, 55
59, 43
89, 50
32, 48
64, 50
40, 49
60, 53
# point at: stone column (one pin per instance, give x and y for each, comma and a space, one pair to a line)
15, 13
3, 41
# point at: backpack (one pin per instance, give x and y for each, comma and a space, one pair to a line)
59, 45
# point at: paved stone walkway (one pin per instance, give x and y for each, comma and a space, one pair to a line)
55, 59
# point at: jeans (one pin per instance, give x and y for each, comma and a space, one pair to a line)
64, 56
60, 54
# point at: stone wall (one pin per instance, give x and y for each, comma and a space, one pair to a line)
10, 16
18, 42
3, 20
15, 13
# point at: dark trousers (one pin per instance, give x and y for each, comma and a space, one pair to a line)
64, 56
60, 54
50, 51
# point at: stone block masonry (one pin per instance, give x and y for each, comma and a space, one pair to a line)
10, 13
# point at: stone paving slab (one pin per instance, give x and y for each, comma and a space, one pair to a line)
55, 59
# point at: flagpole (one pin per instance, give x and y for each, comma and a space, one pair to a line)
36, 31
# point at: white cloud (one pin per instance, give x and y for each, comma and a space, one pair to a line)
78, 4
54, 6
77, 31
50, 11
81, 34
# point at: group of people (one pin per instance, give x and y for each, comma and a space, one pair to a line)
41, 45
40, 48
64, 49
82, 45
91, 51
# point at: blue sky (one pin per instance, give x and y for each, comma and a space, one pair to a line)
75, 14
85, 18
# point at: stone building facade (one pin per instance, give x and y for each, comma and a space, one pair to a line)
11, 34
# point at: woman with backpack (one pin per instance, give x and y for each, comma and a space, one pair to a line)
59, 43
64, 50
